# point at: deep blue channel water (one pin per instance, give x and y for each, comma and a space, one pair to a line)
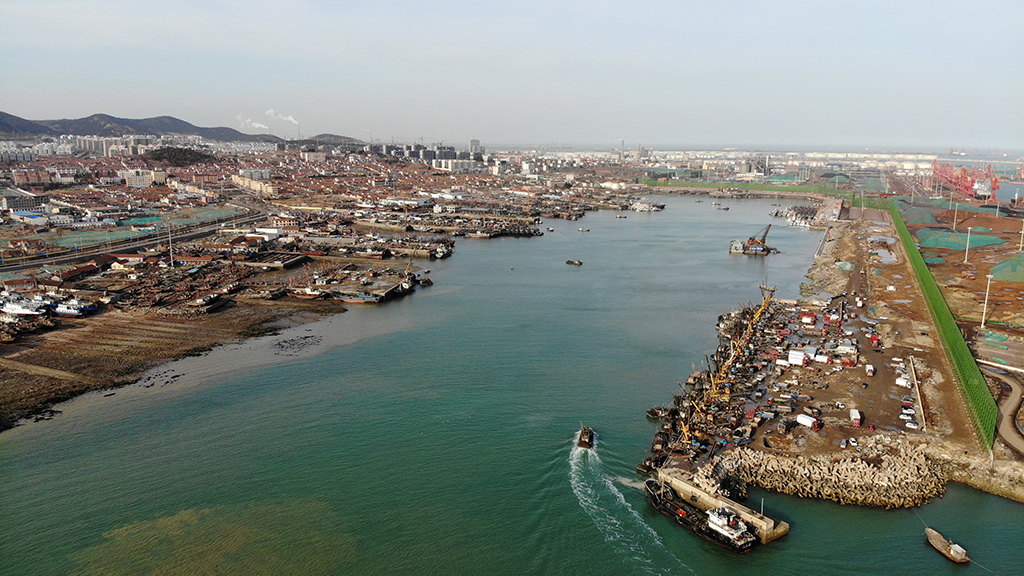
434, 435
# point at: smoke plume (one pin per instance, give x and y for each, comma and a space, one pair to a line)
249, 124
273, 114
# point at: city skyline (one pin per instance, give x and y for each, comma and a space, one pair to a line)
780, 74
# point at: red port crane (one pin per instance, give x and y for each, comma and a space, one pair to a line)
967, 181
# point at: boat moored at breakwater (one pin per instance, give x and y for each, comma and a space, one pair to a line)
719, 525
954, 552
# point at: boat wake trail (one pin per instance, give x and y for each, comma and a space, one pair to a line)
620, 524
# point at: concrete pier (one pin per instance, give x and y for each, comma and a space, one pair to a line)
767, 528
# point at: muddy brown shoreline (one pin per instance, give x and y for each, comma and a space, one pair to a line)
116, 348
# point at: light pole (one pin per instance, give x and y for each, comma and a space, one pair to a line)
968, 247
984, 310
955, 210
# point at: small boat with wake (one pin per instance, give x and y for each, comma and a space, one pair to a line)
586, 437
954, 552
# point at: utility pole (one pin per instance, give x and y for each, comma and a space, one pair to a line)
984, 310
968, 247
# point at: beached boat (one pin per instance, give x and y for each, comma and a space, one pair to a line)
69, 309
954, 552
308, 292
359, 297
586, 437
22, 308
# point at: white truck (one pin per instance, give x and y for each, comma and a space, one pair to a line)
809, 421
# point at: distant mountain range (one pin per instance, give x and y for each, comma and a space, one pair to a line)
15, 128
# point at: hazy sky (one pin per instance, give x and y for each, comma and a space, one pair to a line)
889, 74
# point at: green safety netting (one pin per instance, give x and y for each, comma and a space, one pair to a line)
934, 260
980, 229
786, 177
915, 214
945, 238
968, 208
872, 185
1009, 270
845, 265
990, 335
138, 221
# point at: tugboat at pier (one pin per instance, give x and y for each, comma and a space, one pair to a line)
719, 525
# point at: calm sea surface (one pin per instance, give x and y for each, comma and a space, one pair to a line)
434, 435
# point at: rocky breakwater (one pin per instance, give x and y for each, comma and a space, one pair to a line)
885, 473
1000, 477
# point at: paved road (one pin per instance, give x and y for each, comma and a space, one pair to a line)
1008, 409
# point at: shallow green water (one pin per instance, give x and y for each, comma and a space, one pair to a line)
434, 435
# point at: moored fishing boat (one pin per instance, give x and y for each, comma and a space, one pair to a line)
954, 552
659, 413
719, 525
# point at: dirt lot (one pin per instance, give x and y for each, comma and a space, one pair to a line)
893, 300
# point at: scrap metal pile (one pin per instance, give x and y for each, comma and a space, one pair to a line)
766, 355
